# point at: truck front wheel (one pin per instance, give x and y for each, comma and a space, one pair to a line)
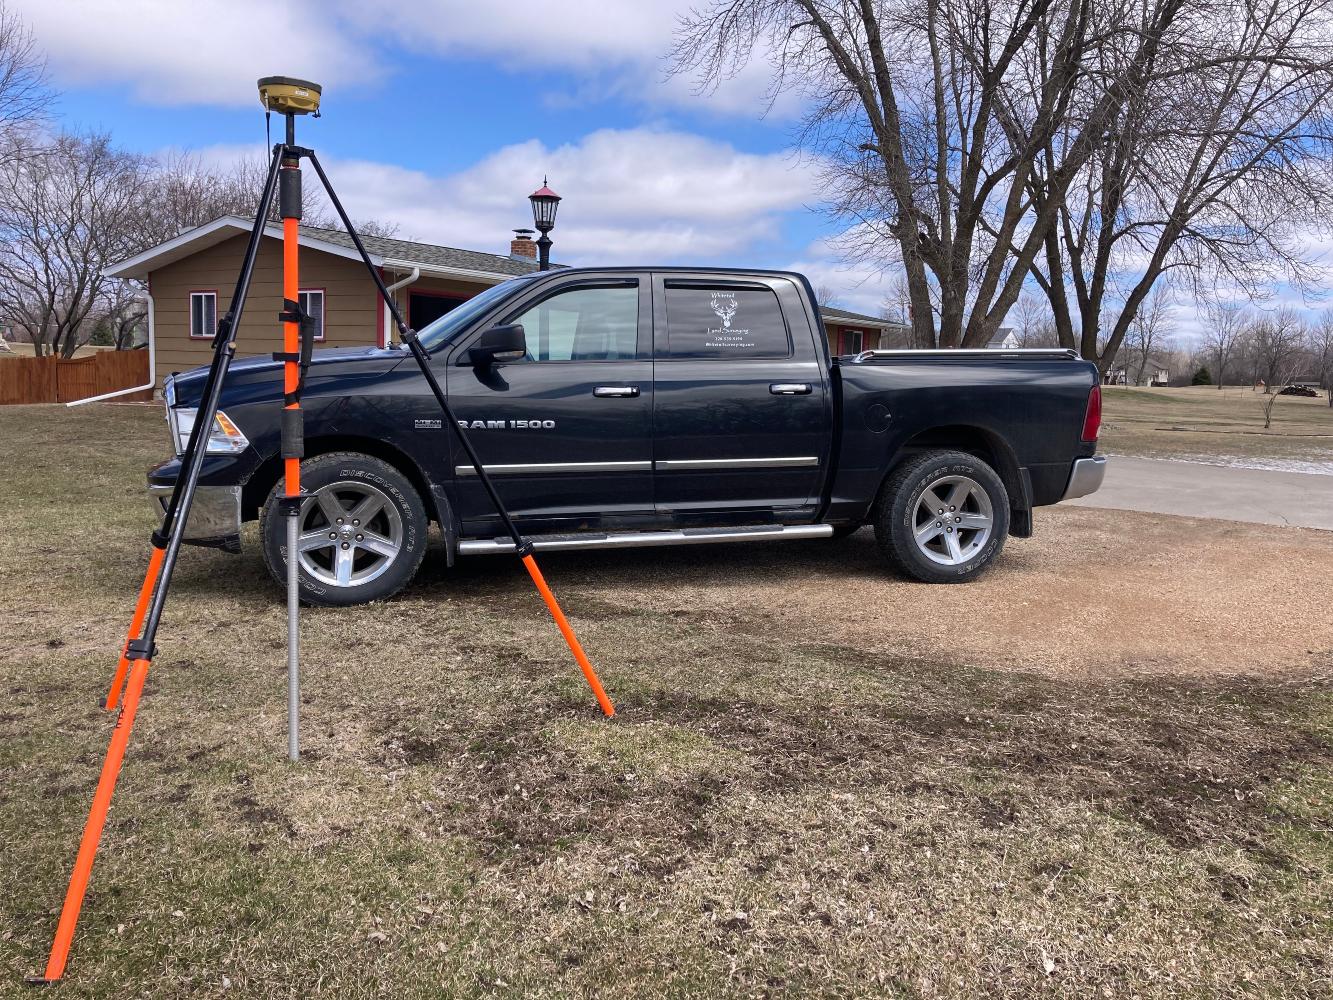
943, 517
362, 534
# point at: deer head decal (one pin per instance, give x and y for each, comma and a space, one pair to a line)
724, 304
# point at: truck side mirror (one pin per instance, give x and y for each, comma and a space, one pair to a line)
499, 343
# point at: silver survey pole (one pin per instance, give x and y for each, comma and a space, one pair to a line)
293, 640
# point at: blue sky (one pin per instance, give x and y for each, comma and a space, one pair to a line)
441, 116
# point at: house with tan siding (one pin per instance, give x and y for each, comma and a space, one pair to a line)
190, 280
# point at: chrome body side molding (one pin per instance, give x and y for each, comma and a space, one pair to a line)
783, 462
544, 467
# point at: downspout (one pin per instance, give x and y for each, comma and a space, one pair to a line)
384, 306
152, 361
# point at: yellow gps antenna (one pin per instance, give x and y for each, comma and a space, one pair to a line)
290, 96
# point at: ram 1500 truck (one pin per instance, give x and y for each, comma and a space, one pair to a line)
643, 406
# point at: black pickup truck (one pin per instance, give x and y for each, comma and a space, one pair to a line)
634, 407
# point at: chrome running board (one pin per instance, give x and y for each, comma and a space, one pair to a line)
641, 539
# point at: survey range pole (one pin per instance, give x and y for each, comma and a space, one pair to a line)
293, 421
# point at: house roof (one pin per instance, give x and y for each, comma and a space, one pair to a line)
394, 254
1001, 335
844, 317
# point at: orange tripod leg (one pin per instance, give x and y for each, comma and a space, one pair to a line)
589, 674
136, 623
92, 830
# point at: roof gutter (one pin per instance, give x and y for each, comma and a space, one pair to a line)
446, 271
388, 330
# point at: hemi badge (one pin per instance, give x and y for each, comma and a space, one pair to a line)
429, 424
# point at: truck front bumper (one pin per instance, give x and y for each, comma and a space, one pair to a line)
1086, 477
215, 515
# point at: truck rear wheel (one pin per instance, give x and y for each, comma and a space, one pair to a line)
363, 530
943, 517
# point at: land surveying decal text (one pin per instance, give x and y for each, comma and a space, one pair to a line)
726, 336
507, 425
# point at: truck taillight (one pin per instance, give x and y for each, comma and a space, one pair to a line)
1092, 421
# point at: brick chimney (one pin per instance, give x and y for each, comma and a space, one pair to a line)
521, 246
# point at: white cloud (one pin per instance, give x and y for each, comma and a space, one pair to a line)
204, 51
212, 51
631, 196
612, 49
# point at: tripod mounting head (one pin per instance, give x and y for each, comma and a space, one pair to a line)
289, 96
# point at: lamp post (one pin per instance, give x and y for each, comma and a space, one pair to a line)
544, 203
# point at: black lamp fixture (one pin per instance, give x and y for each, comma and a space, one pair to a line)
544, 205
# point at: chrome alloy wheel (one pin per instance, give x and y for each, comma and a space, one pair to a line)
953, 520
350, 534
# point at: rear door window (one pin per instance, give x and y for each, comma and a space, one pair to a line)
724, 320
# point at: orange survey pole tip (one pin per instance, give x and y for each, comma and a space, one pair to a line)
589, 674
136, 623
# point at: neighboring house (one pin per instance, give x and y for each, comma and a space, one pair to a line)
1157, 371
191, 279
1004, 340
852, 333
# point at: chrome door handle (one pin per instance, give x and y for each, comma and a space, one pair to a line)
790, 388
605, 391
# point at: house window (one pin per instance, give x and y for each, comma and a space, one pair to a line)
203, 314
312, 301
852, 341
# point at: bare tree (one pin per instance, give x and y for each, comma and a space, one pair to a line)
24, 95
935, 112
1321, 352
824, 295
1222, 341
1279, 344
1031, 322
184, 192
1204, 169
68, 208
1148, 334
1095, 147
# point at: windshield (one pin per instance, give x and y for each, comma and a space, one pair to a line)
447, 326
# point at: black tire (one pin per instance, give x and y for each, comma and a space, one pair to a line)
350, 478
898, 516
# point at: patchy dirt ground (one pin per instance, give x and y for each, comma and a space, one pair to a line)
1106, 769
1097, 594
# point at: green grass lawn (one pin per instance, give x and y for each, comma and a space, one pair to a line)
1218, 425
780, 809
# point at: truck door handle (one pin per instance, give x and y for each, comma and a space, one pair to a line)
605, 391
790, 388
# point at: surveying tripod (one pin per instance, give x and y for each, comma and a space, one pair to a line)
291, 98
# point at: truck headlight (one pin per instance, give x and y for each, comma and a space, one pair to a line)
225, 438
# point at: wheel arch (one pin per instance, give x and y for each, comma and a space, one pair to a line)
984, 444
256, 491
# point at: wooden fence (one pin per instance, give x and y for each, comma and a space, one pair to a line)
60, 380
